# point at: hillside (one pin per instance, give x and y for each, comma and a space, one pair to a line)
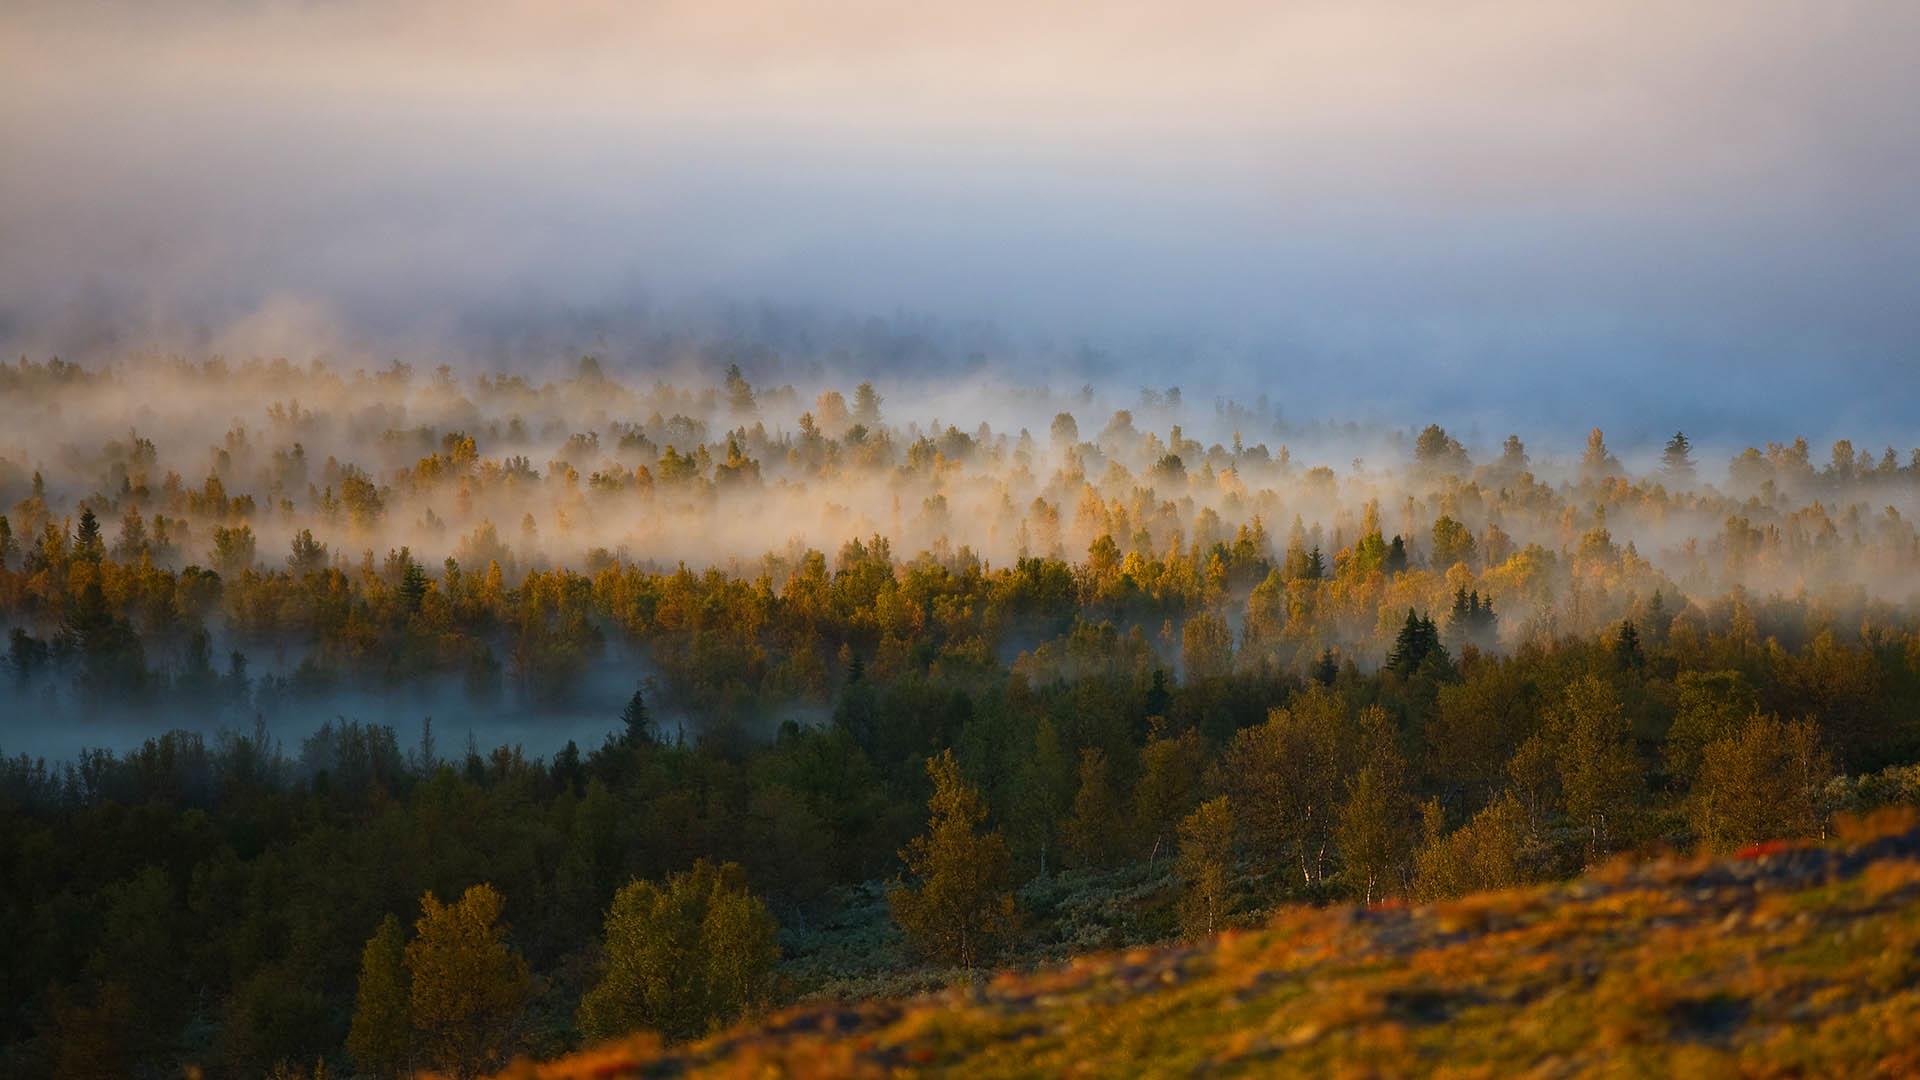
1786, 960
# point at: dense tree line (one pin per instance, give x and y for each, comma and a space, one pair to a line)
239, 903
1192, 683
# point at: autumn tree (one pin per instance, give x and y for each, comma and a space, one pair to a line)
958, 908
380, 1038
1204, 866
1485, 853
1043, 791
1599, 771
683, 958
468, 984
1094, 829
1763, 781
1206, 646
1169, 785
1286, 777
1375, 827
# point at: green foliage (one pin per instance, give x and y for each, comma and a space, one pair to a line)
682, 958
1599, 771
957, 909
381, 1037
1488, 852
1204, 866
1764, 781
468, 986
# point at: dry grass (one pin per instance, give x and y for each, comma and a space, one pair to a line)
1782, 961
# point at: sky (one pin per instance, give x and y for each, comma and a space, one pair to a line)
1643, 214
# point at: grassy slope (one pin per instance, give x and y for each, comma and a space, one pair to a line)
1787, 961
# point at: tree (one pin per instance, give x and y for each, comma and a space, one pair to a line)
1375, 826
87, 544
958, 909
1626, 648
1206, 646
1286, 780
1042, 793
1439, 451
307, 554
469, 985
1418, 640
866, 405
1093, 830
1599, 771
1761, 782
1169, 784
1484, 854
682, 959
380, 1039
1452, 542
636, 723
739, 393
1677, 460
1206, 860
1597, 462
1709, 706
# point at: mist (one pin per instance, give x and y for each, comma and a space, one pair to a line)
1633, 217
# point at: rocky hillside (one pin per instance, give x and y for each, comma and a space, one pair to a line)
1782, 961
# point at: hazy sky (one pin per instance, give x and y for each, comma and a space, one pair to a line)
1638, 209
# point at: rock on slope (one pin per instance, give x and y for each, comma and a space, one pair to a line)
1787, 961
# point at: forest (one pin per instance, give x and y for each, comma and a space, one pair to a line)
827, 692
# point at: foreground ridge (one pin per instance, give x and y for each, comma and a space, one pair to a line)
1785, 960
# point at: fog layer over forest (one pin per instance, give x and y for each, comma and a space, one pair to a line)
1156, 507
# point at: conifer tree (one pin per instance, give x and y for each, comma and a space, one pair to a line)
636, 724
1676, 461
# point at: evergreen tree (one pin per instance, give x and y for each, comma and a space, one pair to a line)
636, 724
1677, 460
1418, 641
1159, 697
1326, 669
1626, 648
1396, 560
87, 543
